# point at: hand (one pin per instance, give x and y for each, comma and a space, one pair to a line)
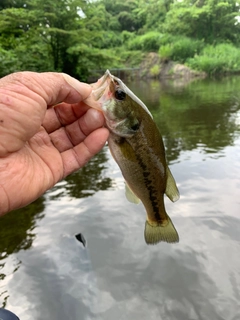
46, 133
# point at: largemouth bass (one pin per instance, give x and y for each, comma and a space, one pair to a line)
137, 147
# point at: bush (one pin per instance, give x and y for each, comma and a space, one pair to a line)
155, 70
185, 48
147, 42
179, 48
8, 62
221, 58
167, 39
165, 52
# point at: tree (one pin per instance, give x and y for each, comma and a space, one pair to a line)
152, 13
211, 20
45, 35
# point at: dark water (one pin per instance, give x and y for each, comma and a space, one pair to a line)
46, 273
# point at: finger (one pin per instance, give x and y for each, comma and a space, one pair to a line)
49, 88
63, 114
24, 98
75, 158
71, 135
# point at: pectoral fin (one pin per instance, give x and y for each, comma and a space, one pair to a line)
171, 188
157, 232
130, 195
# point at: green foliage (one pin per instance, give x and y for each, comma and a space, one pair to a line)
155, 70
147, 42
211, 20
123, 15
165, 52
179, 48
184, 48
76, 36
89, 58
152, 14
8, 62
221, 58
129, 58
167, 38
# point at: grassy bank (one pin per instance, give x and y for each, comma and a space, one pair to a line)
213, 59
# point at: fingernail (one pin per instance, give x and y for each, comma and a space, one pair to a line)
83, 88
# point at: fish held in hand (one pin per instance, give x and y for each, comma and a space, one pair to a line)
137, 147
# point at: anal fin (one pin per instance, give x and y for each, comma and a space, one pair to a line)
171, 187
130, 195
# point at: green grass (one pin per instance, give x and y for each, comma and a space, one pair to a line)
219, 59
179, 48
150, 41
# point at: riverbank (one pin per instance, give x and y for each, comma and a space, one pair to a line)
153, 67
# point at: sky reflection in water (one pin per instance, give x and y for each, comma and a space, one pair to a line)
46, 272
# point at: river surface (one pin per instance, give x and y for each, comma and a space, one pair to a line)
46, 273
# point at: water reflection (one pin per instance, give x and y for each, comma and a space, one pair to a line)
17, 233
86, 181
118, 276
202, 114
16, 228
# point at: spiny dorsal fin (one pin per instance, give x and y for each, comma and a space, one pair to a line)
156, 233
130, 195
171, 188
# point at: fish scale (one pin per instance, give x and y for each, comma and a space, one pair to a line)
137, 146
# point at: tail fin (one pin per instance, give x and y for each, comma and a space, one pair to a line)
156, 233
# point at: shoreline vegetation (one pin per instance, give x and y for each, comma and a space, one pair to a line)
160, 38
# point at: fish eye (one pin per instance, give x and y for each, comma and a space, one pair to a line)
135, 127
120, 94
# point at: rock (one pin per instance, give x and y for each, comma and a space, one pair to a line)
153, 67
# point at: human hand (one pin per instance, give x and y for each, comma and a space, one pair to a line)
46, 131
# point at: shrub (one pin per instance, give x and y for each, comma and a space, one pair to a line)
155, 70
221, 58
167, 39
147, 42
185, 48
179, 48
165, 52
8, 62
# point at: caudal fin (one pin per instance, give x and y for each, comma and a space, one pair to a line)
156, 233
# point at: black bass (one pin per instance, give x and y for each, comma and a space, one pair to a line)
137, 147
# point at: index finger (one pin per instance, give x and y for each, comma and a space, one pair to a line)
63, 114
49, 87
24, 98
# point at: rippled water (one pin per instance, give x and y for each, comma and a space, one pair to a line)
46, 273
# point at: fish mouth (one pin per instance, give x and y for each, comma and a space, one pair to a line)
104, 90
100, 93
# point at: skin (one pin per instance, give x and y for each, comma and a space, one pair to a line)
41, 144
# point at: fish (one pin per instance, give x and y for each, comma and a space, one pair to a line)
137, 146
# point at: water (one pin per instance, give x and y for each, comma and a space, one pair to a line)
46, 273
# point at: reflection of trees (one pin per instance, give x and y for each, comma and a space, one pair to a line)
88, 180
16, 233
199, 114
16, 228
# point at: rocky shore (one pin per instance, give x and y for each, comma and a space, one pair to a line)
153, 67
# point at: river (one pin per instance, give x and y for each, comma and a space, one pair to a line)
45, 272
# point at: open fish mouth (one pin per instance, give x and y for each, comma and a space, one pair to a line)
104, 91
99, 91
